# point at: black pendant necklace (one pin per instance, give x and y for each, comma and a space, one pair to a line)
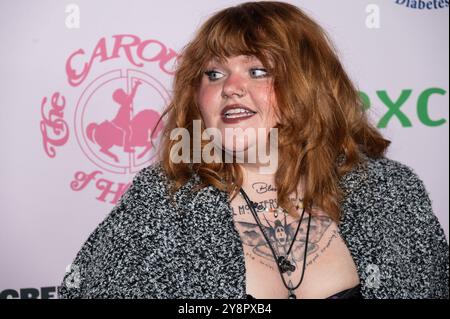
284, 265
292, 295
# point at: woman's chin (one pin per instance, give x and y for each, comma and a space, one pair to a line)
240, 152
236, 147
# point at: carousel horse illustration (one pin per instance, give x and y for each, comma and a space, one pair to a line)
126, 130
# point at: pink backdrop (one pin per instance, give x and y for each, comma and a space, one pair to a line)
69, 70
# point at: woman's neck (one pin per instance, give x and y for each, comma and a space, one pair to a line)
257, 184
254, 182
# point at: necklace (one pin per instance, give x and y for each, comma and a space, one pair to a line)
282, 262
278, 210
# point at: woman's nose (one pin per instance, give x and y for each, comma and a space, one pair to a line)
234, 85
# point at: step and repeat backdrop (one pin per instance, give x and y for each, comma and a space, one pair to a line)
69, 67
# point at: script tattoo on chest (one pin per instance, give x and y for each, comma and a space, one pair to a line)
261, 187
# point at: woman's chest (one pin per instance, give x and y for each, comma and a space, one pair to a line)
320, 264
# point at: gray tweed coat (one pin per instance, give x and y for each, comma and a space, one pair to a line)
145, 249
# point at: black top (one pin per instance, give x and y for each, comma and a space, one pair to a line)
351, 293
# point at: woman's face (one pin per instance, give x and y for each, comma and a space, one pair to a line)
238, 93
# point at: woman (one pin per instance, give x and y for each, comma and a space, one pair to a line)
335, 219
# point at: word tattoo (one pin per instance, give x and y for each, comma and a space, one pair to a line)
261, 187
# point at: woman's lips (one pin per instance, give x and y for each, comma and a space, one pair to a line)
235, 113
234, 120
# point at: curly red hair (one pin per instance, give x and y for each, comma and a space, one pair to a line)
322, 117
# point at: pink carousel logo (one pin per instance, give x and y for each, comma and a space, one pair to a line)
115, 116
125, 129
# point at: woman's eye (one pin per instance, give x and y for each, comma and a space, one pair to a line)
258, 73
213, 75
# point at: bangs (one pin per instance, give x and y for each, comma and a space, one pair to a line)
237, 33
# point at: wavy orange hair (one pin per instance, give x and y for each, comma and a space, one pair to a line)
322, 117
